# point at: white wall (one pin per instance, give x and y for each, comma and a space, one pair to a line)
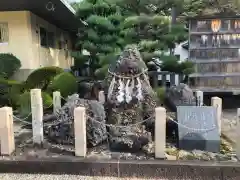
179, 50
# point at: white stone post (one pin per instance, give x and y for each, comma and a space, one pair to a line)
199, 95
238, 134
37, 116
160, 132
80, 131
217, 102
56, 101
6, 132
101, 97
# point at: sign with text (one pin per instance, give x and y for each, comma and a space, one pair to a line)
198, 128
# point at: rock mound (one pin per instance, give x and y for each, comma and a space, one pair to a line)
62, 130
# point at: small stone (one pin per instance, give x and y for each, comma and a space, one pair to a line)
202, 155
184, 155
32, 154
171, 151
149, 148
205, 157
170, 158
221, 157
212, 155
115, 155
198, 154
234, 159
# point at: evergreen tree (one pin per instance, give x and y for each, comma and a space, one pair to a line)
150, 27
98, 41
190, 8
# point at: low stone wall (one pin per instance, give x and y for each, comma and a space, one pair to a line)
162, 170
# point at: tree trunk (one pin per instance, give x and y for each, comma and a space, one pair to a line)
174, 15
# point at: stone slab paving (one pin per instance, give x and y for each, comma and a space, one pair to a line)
60, 177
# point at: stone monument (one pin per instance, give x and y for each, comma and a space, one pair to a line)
198, 128
130, 100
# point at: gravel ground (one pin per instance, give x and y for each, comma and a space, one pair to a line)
59, 177
229, 122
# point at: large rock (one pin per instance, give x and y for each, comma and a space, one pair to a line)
62, 130
89, 90
180, 95
130, 100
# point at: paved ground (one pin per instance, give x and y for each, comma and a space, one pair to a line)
59, 177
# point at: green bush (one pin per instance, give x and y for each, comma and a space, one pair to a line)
160, 94
170, 63
173, 64
14, 93
25, 103
65, 82
41, 78
102, 72
8, 82
11, 90
187, 67
9, 64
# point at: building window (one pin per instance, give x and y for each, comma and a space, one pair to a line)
51, 39
43, 37
59, 44
3, 32
47, 38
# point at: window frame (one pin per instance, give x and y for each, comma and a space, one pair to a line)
4, 29
47, 42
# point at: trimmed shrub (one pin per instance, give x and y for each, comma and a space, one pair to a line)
9, 64
41, 78
10, 90
14, 93
9, 82
65, 82
102, 72
25, 103
173, 64
187, 67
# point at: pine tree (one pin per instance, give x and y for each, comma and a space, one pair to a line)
192, 8
99, 37
150, 27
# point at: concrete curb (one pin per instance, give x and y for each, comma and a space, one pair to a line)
179, 170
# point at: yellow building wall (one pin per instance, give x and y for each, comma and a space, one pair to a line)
24, 42
19, 38
49, 56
